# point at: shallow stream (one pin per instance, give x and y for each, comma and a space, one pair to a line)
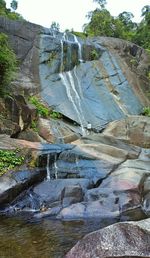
24, 238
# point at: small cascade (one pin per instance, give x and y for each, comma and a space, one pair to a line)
72, 83
69, 83
62, 55
52, 170
48, 168
79, 48
57, 133
55, 167
77, 164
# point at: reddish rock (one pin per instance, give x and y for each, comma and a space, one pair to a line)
127, 239
133, 130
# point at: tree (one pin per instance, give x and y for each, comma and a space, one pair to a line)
100, 23
14, 5
8, 64
2, 7
146, 12
102, 3
10, 13
142, 36
126, 18
55, 26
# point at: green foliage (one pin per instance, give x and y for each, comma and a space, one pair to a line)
142, 36
10, 13
102, 3
14, 5
8, 64
99, 24
15, 16
9, 159
55, 26
55, 115
146, 111
82, 35
94, 55
43, 110
134, 61
148, 75
34, 125
102, 23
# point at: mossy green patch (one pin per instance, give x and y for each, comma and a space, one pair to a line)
9, 159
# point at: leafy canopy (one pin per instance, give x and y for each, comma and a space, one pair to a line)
10, 12
102, 23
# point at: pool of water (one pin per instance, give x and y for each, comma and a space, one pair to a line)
47, 238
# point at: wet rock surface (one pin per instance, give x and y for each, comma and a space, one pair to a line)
126, 239
99, 176
112, 156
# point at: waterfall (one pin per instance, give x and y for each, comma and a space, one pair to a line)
55, 167
79, 48
75, 40
47, 168
71, 82
62, 56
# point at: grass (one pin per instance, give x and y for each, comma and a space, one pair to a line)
146, 111
9, 159
43, 110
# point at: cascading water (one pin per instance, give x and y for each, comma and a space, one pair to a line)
71, 82
55, 167
52, 170
79, 48
48, 168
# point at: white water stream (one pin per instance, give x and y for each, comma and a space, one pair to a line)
79, 48
71, 82
48, 168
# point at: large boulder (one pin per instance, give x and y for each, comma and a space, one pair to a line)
127, 239
133, 130
56, 131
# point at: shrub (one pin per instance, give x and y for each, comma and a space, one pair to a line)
43, 110
9, 159
94, 55
82, 35
8, 64
146, 111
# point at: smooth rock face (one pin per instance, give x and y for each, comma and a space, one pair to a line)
13, 184
16, 115
56, 131
84, 88
128, 239
24, 39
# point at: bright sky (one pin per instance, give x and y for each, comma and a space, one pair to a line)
71, 13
